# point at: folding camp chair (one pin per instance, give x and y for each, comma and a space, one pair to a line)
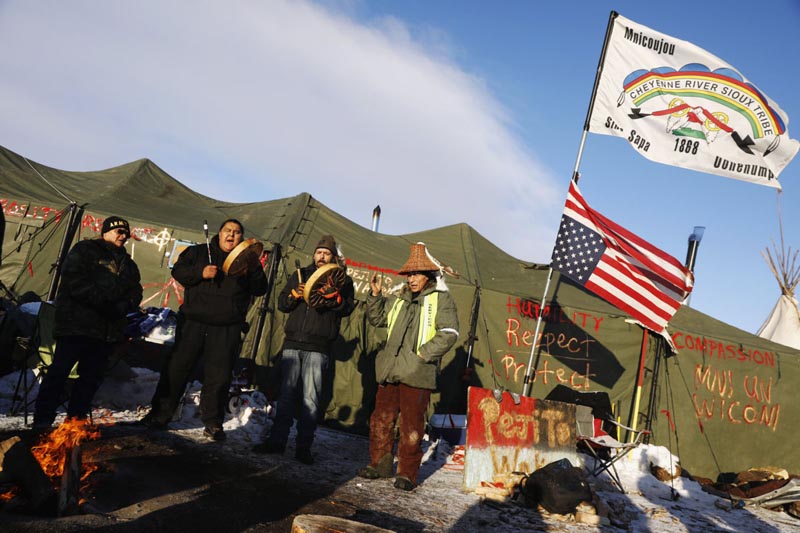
35, 352
604, 448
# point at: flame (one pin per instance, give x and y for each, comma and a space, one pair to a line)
51, 452
9, 494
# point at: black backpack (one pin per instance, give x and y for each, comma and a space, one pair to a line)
559, 487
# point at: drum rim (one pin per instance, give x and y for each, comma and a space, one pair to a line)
236, 252
314, 277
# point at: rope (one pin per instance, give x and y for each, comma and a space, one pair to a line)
491, 358
53, 222
64, 196
699, 423
674, 429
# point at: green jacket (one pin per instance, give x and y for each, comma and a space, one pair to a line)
397, 362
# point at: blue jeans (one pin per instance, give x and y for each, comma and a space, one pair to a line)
301, 378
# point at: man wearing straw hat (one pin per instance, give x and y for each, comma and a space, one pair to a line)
422, 326
311, 327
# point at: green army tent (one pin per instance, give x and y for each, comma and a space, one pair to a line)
725, 394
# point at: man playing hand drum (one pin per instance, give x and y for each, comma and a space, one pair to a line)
311, 328
210, 324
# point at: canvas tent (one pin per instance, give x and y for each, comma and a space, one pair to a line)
727, 394
783, 323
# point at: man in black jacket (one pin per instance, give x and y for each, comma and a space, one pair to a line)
100, 285
210, 324
309, 333
2, 233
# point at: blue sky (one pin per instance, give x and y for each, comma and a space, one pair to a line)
475, 108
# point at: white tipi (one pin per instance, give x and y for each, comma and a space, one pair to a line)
783, 324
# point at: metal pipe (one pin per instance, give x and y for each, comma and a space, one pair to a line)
691, 252
694, 242
376, 218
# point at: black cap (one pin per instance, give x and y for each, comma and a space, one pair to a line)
114, 223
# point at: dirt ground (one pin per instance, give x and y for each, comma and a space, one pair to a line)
158, 481
180, 481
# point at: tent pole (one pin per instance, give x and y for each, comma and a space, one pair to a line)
528, 382
272, 270
69, 234
637, 395
473, 322
651, 408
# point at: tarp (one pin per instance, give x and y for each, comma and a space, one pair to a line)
726, 390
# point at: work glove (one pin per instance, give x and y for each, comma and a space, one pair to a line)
297, 292
330, 294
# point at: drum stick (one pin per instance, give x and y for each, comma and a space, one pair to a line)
208, 245
299, 274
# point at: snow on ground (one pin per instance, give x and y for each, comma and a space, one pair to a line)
438, 504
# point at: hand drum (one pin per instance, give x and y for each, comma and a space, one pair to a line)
241, 257
323, 286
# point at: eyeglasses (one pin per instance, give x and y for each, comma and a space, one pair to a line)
122, 232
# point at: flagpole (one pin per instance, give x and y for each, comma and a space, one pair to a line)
527, 385
611, 18
528, 382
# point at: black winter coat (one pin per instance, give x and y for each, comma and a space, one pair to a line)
315, 329
100, 284
222, 301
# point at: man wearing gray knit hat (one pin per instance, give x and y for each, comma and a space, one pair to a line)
316, 298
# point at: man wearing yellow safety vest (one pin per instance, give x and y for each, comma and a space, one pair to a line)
422, 326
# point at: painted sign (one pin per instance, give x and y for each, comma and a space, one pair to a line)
509, 433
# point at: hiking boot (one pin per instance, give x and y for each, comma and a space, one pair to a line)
214, 431
150, 422
381, 470
269, 447
304, 456
40, 429
403, 483
41, 426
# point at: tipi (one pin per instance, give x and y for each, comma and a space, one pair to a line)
783, 323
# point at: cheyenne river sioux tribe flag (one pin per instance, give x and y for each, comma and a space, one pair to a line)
620, 267
677, 104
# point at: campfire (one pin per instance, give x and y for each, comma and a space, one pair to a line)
50, 472
54, 449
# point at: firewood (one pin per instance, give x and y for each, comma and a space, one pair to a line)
70, 482
19, 464
312, 523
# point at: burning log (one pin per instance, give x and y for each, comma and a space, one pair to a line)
60, 457
19, 464
69, 495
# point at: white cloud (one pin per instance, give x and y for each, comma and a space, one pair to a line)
256, 100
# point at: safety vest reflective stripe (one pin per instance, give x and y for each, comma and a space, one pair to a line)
427, 319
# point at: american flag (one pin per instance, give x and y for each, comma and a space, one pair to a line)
620, 267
